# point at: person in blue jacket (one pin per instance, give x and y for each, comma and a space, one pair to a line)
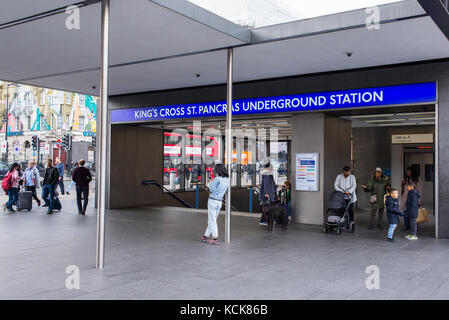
411, 209
393, 211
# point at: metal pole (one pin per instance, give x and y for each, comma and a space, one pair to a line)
103, 133
7, 119
229, 145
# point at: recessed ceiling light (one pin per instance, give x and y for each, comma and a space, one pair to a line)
385, 120
373, 116
414, 119
396, 124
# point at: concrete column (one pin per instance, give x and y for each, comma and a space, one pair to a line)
442, 175
331, 138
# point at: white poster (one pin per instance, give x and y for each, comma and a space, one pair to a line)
307, 171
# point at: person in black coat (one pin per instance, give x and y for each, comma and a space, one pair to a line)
51, 179
267, 189
411, 209
393, 211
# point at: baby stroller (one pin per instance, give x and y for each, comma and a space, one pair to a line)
336, 215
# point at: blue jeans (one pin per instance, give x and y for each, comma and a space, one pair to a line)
13, 196
48, 194
391, 230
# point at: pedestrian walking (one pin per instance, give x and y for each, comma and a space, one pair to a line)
51, 179
73, 182
12, 179
31, 180
82, 178
60, 166
218, 188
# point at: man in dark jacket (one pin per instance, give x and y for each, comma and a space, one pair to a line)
411, 209
50, 182
82, 177
267, 189
392, 205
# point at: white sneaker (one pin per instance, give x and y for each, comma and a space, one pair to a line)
263, 224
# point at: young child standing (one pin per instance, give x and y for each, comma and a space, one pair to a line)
411, 209
392, 206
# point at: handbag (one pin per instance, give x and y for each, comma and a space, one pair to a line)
373, 199
422, 216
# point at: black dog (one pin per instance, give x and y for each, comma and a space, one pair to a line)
273, 213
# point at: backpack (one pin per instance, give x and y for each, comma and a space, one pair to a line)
7, 182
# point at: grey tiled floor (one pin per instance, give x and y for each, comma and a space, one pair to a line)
155, 254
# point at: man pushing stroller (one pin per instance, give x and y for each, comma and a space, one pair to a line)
347, 184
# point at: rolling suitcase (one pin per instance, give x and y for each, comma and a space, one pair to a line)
57, 204
25, 201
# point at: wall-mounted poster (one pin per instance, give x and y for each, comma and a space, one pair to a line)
307, 172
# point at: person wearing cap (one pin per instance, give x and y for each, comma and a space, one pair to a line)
378, 186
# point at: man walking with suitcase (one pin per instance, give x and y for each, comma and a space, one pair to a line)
82, 177
31, 180
50, 182
60, 166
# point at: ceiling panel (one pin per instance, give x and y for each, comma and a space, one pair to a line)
139, 30
398, 42
404, 41
19, 9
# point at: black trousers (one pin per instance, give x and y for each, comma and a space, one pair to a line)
33, 191
82, 192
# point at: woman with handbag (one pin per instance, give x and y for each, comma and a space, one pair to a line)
378, 186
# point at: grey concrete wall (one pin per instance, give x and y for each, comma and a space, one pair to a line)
331, 138
387, 75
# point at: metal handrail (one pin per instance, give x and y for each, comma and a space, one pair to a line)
159, 185
206, 188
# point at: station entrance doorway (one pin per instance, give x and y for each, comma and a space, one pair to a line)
402, 142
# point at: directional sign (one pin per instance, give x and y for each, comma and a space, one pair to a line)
59, 143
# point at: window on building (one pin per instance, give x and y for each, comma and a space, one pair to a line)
68, 98
59, 121
28, 123
82, 100
190, 160
41, 98
81, 123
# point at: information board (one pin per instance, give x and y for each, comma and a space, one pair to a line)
307, 172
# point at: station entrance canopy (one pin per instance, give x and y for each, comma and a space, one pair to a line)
166, 44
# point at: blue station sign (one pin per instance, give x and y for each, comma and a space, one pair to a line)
420, 93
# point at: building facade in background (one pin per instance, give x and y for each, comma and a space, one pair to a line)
48, 114
251, 13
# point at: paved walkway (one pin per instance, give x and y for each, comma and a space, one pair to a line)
155, 254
